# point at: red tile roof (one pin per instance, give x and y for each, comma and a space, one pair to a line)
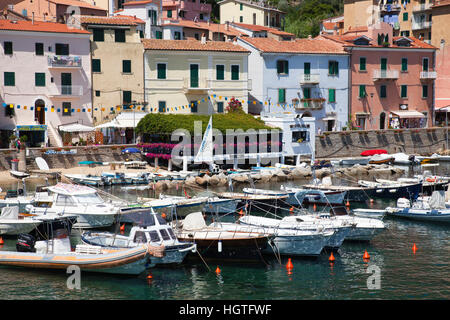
134, 3
257, 28
76, 3
356, 29
213, 27
39, 26
317, 45
112, 20
191, 45
347, 40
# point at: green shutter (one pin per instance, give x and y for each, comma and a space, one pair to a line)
235, 72
220, 72
126, 66
362, 91
286, 66
307, 68
404, 64
119, 35
194, 106
126, 97
9, 79
279, 66
281, 95
405, 16
99, 34
383, 64
425, 65
96, 65
220, 107
424, 91
362, 64
404, 91
39, 79
169, 13
194, 75
241, 6
39, 49
383, 91
331, 95
158, 34
161, 70
161, 106
8, 47
333, 67
241, 19
306, 93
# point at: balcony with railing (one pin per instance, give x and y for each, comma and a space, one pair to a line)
57, 61
422, 7
385, 74
310, 104
309, 79
428, 75
64, 91
390, 7
419, 25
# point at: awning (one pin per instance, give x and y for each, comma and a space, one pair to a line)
124, 120
76, 127
408, 114
329, 118
443, 109
362, 114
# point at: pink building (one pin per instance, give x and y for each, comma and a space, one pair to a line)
392, 79
186, 9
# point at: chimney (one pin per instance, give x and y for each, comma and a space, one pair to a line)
227, 26
203, 38
32, 18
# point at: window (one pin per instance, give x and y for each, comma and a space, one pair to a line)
403, 91
154, 237
404, 33
139, 237
169, 13
235, 72
194, 106
9, 79
99, 34
331, 95
126, 66
300, 136
39, 48
177, 35
67, 108
282, 67
220, 72
164, 234
201, 16
424, 91
97, 93
152, 14
425, 64
197, 36
63, 201
241, 6
405, 16
39, 79
333, 68
254, 18
158, 34
219, 107
119, 35
161, 106
161, 69
8, 47
96, 65
281, 95
172, 235
362, 91
404, 64
62, 49
141, 34
361, 122
126, 99
362, 64
382, 91
181, 14
241, 19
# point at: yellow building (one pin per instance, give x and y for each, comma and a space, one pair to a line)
250, 12
117, 64
192, 76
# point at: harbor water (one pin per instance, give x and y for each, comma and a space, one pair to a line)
394, 271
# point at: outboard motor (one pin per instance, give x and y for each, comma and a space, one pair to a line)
412, 158
25, 243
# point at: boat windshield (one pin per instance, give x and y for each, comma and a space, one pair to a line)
91, 198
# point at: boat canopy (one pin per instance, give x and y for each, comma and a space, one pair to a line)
437, 200
301, 194
71, 189
143, 217
10, 213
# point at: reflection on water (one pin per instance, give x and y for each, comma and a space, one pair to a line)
404, 275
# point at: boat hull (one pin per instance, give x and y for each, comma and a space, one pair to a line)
14, 227
311, 245
421, 214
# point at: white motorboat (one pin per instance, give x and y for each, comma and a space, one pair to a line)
12, 224
84, 202
19, 174
299, 196
288, 240
216, 205
86, 179
404, 159
149, 228
369, 213
339, 231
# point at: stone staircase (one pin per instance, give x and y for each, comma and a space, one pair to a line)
53, 141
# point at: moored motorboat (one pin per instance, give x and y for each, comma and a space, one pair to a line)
10, 224
257, 202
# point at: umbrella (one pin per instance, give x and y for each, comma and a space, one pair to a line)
131, 150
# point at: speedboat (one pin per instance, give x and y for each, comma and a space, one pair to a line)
11, 224
215, 242
84, 202
431, 208
86, 179
299, 196
288, 240
149, 228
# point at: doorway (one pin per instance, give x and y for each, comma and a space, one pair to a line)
382, 120
39, 111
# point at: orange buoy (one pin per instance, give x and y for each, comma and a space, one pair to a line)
315, 207
347, 204
218, 270
289, 265
414, 248
163, 215
366, 255
371, 201
241, 213
122, 228
291, 210
1, 241
331, 258
149, 277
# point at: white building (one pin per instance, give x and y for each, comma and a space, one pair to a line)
46, 79
303, 76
